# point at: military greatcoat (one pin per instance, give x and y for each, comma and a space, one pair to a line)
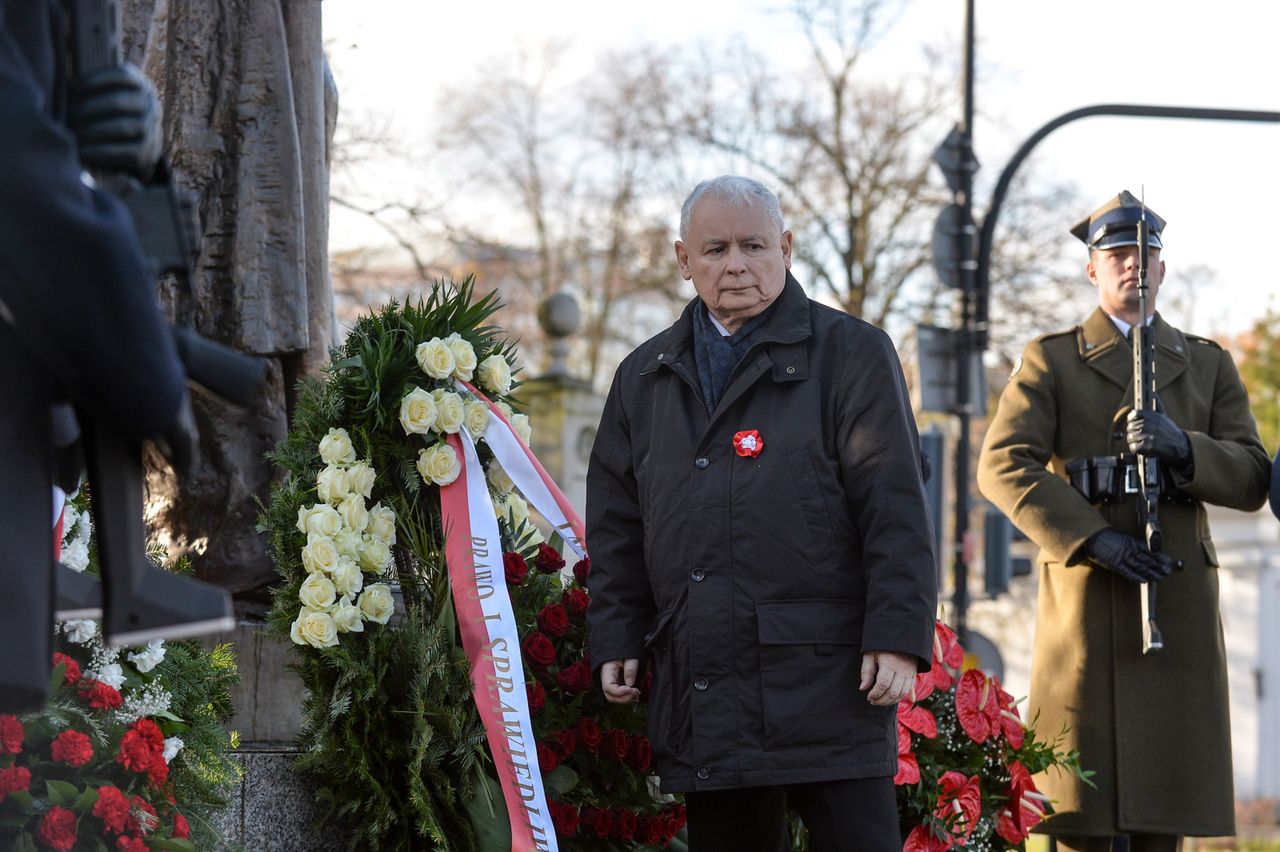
1154, 728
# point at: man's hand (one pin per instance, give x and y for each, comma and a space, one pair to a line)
1152, 433
114, 115
618, 680
891, 673
1125, 555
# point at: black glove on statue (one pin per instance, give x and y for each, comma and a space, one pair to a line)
1126, 556
1152, 433
115, 116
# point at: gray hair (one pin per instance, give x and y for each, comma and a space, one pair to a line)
738, 191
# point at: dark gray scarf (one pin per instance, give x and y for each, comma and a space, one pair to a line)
717, 355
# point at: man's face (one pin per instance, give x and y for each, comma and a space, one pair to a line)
735, 258
1114, 272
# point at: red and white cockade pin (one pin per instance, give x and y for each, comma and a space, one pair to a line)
748, 443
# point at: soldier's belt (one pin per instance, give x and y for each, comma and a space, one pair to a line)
1116, 479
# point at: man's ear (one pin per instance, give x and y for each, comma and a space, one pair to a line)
682, 258
786, 248
1091, 272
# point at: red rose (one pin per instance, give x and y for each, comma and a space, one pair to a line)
99, 695
641, 754
553, 620
131, 844
71, 673
575, 602
72, 748
11, 734
566, 742
575, 679
650, 830
588, 733
672, 821
580, 571
547, 757
537, 696
14, 779
616, 744
565, 817
598, 820
58, 829
112, 808
515, 567
548, 560
624, 824
538, 650
181, 830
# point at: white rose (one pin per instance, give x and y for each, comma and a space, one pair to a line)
376, 603
494, 373
346, 617
498, 478
520, 423
382, 524
331, 485
172, 745
317, 591
435, 358
475, 417
449, 411
75, 556
360, 478
417, 412
148, 658
348, 543
320, 519
464, 356
315, 628
320, 554
80, 631
347, 579
439, 464
506, 410
514, 509
335, 448
374, 555
354, 515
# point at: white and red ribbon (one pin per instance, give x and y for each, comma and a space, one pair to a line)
486, 621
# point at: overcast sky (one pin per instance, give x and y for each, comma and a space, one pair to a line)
1216, 183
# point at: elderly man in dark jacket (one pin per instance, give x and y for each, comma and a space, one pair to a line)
757, 524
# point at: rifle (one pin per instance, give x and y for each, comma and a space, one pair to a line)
142, 601
1144, 399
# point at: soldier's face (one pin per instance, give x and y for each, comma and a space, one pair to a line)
735, 258
1114, 272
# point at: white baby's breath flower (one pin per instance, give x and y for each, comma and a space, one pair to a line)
449, 411
382, 524
439, 464
435, 358
494, 373
148, 658
475, 417
360, 477
417, 412
331, 485
376, 603
336, 448
464, 356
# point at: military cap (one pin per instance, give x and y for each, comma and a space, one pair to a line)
1116, 224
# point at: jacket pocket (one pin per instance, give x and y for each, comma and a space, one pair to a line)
807, 496
668, 705
810, 665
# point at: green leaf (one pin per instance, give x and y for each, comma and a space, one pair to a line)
61, 792
56, 678
560, 780
85, 801
172, 843
488, 816
14, 820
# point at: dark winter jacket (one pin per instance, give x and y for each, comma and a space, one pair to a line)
756, 583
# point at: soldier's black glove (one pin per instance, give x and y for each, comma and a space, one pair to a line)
1152, 433
1125, 555
115, 116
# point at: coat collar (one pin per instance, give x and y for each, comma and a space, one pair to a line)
1101, 346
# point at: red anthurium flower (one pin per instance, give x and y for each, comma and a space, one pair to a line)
946, 646
908, 770
1023, 809
959, 802
976, 705
904, 739
922, 840
927, 682
748, 443
918, 719
1010, 721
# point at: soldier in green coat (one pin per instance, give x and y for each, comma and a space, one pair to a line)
1153, 727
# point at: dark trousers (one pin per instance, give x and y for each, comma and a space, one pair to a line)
1130, 843
859, 815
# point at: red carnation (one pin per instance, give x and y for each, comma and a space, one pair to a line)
537, 696
514, 566
548, 560
641, 755
14, 779
538, 650
547, 758
131, 844
575, 602
625, 824
142, 819
99, 695
616, 744
58, 829
576, 678
11, 734
566, 742
158, 772
181, 830
140, 746
581, 569
112, 808
553, 620
588, 733
72, 748
565, 817
71, 673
